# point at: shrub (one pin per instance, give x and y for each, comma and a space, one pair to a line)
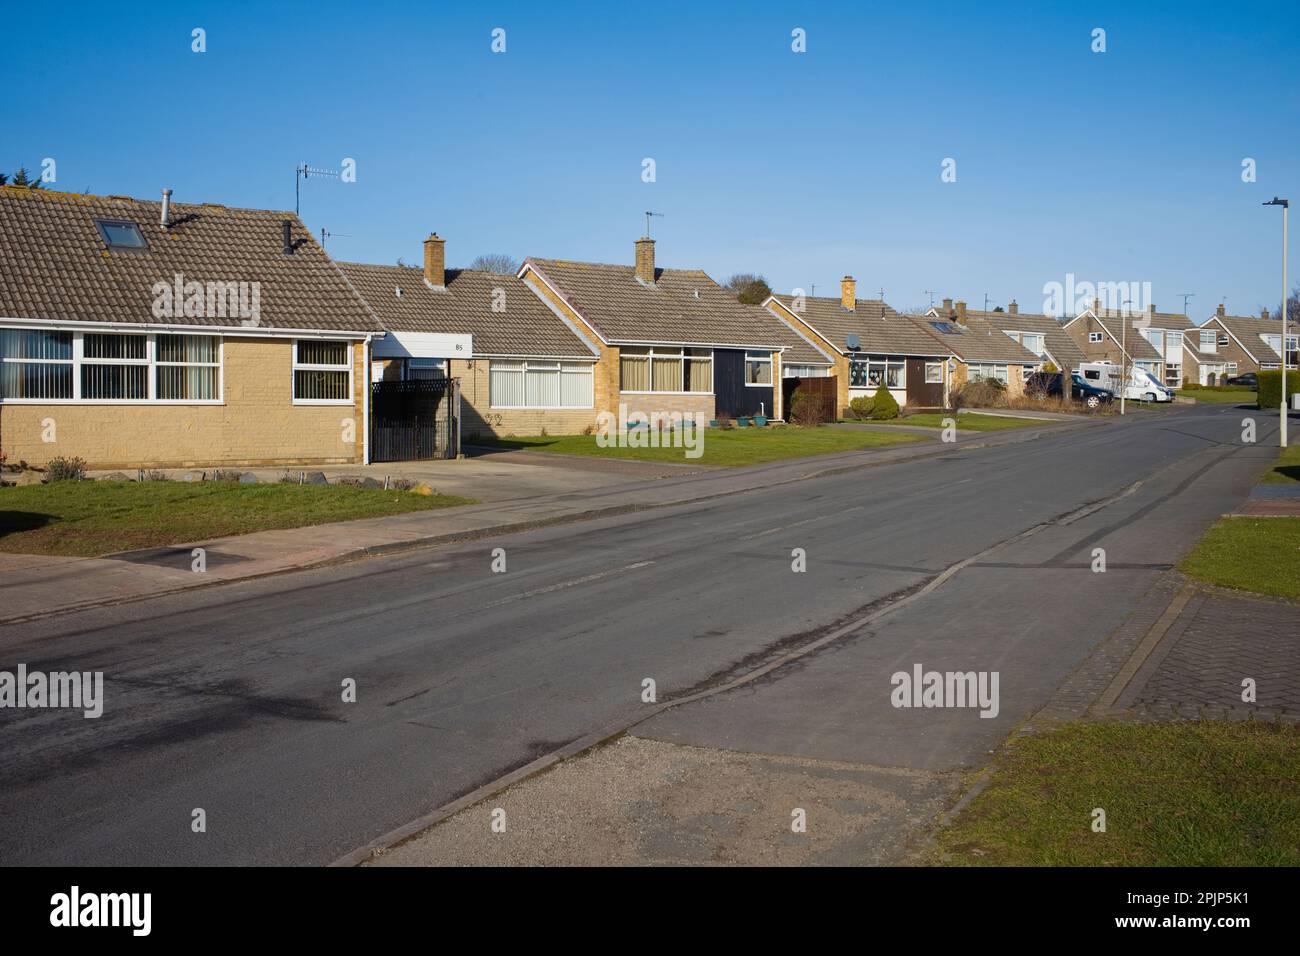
861, 406
1270, 388
65, 469
884, 406
807, 409
980, 394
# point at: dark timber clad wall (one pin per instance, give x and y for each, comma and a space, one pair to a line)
920, 394
731, 396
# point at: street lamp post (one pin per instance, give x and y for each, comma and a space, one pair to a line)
1286, 205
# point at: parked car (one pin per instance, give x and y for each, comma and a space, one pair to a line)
1048, 384
1250, 380
1142, 385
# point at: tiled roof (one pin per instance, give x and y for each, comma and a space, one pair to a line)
55, 265
880, 330
683, 306
526, 327
1247, 329
974, 341
1139, 349
1059, 344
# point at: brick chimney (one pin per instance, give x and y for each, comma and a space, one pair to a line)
1265, 314
1220, 311
849, 293
1151, 310
947, 308
1096, 306
645, 260
1013, 308
435, 261
961, 311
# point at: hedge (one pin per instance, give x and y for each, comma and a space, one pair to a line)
1270, 387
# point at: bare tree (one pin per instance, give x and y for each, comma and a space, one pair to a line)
497, 262
749, 288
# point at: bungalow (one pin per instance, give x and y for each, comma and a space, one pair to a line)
1154, 340
160, 334
522, 366
1040, 334
871, 344
980, 349
1228, 345
671, 341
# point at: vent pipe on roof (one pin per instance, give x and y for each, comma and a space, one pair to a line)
286, 236
166, 218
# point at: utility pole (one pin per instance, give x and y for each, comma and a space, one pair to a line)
1123, 348
1286, 207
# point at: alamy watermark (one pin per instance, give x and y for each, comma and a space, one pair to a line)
922, 688
207, 300
1071, 297
37, 689
649, 430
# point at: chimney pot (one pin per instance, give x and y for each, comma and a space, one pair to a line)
1220, 311
166, 218
435, 261
947, 307
849, 293
1265, 314
961, 311
1013, 308
286, 237
645, 260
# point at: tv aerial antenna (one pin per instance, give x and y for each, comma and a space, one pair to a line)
648, 215
303, 172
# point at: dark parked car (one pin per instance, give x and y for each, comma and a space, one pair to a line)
1250, 379
1048, 384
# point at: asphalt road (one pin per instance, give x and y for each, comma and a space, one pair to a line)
230, 699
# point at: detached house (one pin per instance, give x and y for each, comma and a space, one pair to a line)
137, 333
671, 340
522, 366
1228, 345
1154, 340
980, 349
871, 345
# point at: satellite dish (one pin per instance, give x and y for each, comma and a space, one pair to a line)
851, 340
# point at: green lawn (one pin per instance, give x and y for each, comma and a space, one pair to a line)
967, 422
1252, 554
1201, 793
99, 517
1222, 395
1287, 467
731, 447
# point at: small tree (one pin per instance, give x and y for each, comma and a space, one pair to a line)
749, 288
496, 262
21, 178
883, 406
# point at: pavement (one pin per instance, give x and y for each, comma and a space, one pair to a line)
1272, 501
774, 683
515, 488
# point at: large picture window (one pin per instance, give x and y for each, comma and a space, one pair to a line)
57, 366
322, 372
35, 364
659, 369
872, 371
986, 373
540, 383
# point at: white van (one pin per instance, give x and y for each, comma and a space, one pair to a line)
1142, 385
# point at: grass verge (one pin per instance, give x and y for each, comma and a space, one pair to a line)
1222, 395
729, 447
1203, 793
1250, 554
967, 421
1286, 470
85, 518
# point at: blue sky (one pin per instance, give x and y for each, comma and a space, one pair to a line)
1115, 166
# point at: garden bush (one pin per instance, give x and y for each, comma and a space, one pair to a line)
65, 469
1270, 388
884, 406
861, 406
807, 409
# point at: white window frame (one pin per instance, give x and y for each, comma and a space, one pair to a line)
1001, 373
667, 352
316, 367
1213, 346
1232, 368
937, 368
759, 357
879, 362
79, 361
1096, 337
559, 366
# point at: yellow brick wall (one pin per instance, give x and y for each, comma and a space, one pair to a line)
258, 424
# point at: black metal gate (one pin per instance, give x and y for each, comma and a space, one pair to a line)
415, 419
